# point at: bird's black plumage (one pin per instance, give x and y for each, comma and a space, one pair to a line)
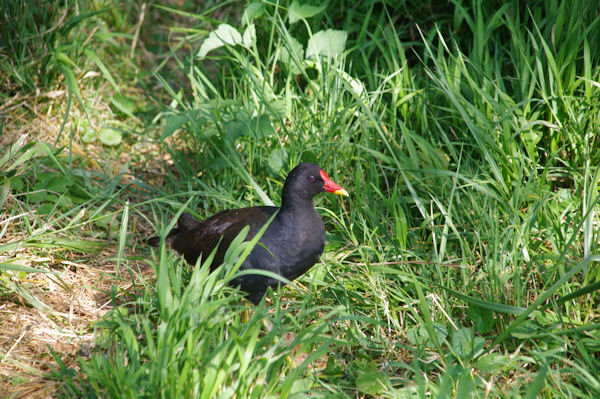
291, 244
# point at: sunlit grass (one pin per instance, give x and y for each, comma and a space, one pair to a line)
462, 265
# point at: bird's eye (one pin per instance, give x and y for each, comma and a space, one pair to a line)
311, 179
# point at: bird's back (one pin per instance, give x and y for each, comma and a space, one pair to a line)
194, 238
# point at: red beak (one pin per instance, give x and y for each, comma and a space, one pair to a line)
331, 187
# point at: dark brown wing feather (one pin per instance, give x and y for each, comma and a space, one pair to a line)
194, 238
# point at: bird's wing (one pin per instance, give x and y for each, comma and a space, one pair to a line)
197, 238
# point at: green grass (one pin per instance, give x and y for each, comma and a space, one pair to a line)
464, 263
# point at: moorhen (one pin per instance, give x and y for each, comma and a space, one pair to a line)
291, 244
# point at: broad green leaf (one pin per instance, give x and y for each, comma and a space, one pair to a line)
107, 221
466, 344
527, 329
419, 336
16, 184
409, 392
89, 136
37, 197
492, 362
109, 136
301, 385
371, 382
224, 34
235, 129
292, 53
277, 108
297, 12
48, 207
58, 184
86, 132
249, 38
125, 104
174, 122
277, 159
483, 319
462, 341
64, 202
253, 11
262, 127
327, 43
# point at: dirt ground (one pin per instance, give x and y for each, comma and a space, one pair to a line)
57, 310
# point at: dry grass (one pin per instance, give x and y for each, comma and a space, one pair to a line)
18, 111
75, 294
29, 334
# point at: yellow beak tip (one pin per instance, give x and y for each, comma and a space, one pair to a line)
342, 192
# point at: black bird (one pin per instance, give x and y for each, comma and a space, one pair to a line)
294, 240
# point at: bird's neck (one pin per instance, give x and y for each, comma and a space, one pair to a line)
296, 204
298, 213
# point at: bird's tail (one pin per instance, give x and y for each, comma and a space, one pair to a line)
155, 241
185, 223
